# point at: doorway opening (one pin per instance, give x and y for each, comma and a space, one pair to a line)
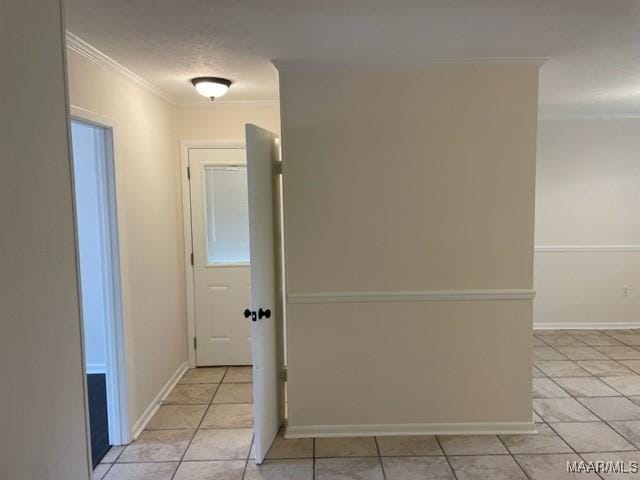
98, 260
234, 252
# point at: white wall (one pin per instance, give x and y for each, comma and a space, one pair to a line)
42, 404
429, 188
87, 146
588, 194
149, 224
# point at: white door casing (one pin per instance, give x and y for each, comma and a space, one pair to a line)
221, 287
266, 275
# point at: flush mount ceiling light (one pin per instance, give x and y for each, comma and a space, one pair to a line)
211, 87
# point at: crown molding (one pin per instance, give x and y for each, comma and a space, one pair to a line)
98, 57
299, 65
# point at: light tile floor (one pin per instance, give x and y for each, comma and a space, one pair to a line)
586, 404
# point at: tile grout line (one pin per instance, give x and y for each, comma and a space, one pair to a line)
195, 432
446, 457
513, 457
375, 440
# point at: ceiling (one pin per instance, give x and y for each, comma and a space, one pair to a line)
592, 46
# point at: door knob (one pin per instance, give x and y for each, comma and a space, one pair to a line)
248, 313
257, 316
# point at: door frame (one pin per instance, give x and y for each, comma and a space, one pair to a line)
185, 145
116, 381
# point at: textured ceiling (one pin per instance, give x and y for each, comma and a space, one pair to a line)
593, 46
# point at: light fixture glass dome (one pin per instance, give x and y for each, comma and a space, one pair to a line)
211, 87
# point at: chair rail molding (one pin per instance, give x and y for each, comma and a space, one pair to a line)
587, 248
411, 296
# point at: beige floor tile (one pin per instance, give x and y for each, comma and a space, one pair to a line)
234, 393
537, 373
417, 468
410, 445
546, 388
494, 467
612, 408
157, 446
291, 469
597, 340
628, 338
591, 437
562, 410
229, 415
551, 467
220, 444
177, 417
113, 454
218, 470
547, 353
629, 430
471, 444
192, 394
625, 457
348, 469
629, 385
239, 375
582, 353
566, 368
561, 340
545, 441
620, 352
602, 368
537, 418
142, 471
632, 365
291, 448
346, 447
203, 375
538, 343
586, 387
100, 471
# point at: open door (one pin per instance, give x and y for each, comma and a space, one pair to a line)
266, 312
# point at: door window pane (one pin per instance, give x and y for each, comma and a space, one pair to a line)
227, 214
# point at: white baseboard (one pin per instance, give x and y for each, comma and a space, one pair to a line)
308, 431
586, 326
96, 368
141, 423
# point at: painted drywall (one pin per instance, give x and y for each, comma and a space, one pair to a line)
87, 147
223, 122
149, 224
588, 194
431, 189
42, 404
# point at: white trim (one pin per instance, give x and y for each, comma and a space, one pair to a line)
585, 325
116, 380
559, 116
148, 413
96, 368
83, 48
426, 296
492, 428
186, 227
299, 65
586, 248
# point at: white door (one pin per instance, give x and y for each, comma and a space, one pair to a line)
220, 233
265, 312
